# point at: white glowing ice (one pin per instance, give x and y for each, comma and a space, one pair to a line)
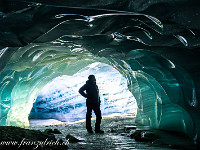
60, 99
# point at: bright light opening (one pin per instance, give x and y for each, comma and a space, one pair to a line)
59, 99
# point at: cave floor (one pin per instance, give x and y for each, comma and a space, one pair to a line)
113, 138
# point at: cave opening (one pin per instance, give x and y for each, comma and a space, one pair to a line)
59, 101
151, 78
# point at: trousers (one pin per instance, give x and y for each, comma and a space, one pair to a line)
97, 112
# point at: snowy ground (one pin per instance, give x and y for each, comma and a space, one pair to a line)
44, 122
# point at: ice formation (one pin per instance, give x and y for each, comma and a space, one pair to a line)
60, 99
153, 44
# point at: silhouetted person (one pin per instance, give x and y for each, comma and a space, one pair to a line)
92, 103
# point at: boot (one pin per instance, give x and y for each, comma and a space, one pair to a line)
99, 131
90, 131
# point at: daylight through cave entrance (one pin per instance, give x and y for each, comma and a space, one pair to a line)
59, 100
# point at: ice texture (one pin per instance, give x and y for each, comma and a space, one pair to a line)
60, 99
154, 45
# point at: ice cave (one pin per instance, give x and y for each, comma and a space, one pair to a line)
154, 46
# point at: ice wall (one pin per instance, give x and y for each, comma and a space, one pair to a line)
153, 44
60, 99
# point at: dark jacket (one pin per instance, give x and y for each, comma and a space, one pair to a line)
92, 93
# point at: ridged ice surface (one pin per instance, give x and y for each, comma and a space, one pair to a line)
154, 44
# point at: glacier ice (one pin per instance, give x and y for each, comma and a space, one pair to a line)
154, 45
59, 99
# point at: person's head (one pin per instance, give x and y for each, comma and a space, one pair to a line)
92, 78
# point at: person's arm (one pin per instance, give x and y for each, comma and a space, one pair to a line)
82, 89
99, 101
98, 95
